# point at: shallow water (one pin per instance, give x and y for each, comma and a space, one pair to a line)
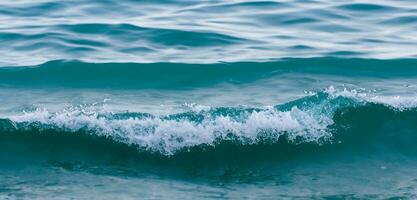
208, 99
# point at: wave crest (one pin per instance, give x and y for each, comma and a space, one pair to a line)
306, 120
169, 134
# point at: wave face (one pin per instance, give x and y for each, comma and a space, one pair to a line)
76, 74
175, 132
203, 31
315, 119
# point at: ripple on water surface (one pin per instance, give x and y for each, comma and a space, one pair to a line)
203, 31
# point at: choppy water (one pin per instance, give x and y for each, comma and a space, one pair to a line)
208, 99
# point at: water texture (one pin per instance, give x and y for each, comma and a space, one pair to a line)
178, 99
33, 32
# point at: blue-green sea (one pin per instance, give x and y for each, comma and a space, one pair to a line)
208, 99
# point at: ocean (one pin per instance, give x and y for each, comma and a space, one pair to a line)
208, 99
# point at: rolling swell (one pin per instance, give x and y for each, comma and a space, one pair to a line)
322, 124
180, 75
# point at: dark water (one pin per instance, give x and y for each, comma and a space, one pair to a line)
208, 99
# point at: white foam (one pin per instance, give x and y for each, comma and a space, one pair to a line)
397, 102
169, 136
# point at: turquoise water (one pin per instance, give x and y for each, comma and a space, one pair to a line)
208, 99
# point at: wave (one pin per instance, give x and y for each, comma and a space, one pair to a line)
320, 119
179, 75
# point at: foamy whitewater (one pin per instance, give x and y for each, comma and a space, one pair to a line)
207, 126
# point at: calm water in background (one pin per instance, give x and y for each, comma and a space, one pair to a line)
33, 32
208, 99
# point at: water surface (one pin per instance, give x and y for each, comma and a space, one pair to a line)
208, 99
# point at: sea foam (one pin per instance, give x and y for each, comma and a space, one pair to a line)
306, 121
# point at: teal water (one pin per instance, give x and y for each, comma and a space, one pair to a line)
208, 99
